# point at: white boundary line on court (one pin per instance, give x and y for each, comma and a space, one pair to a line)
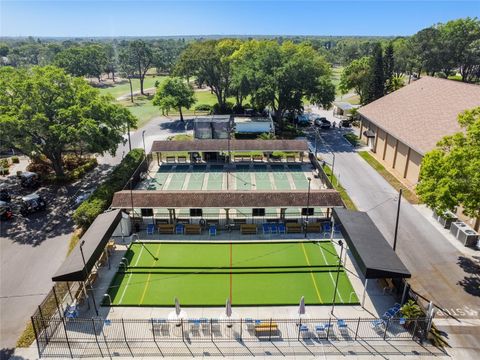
130, 277
330, 273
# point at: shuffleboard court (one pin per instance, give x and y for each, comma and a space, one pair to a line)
299, 179
197, 175
243, 177
215, 177
280, 177
262, 178
206, 274
178, 177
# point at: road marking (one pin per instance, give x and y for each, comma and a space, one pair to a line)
150, 274
330, 273
130, 277
311, 273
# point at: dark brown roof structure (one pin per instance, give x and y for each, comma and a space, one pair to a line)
224, 199
216, 145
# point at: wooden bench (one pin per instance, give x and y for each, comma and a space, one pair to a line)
182, 159
246, 229
166, 229
290, 158
294, 228
193, 229
314, 227
257, 158
171, 159
266, 329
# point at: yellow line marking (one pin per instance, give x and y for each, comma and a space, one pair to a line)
149, 275
311, 273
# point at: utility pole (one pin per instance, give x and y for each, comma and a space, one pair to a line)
396, 221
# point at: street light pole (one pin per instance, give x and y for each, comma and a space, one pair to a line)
129, 140
396, 221
308, 205
340, 242
333, 167
85, 274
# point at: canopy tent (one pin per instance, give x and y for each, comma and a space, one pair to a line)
372, 252
225, 199
217, 145
96, 238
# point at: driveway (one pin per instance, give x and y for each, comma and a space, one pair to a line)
440, 272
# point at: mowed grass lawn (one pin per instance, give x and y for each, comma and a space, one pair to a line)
123, 87
205, 274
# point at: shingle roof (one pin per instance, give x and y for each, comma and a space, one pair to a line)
224, 199
235, 145
423, 112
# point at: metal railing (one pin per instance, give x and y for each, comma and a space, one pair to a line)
100, 337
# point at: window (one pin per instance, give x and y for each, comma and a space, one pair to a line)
305, 213
147, 212
258, 212
196, 212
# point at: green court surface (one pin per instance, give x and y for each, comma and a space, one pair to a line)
196, 178
262, 178
206, 274
280, 177
299, 179
178, 177
243, 177
215, 177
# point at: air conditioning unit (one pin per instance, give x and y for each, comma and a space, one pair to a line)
467, 236
455, 226
446, 219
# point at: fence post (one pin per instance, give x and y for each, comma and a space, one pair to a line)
56, 301
414, 328
105, 340
386, 328
43, 324
299, 327
153, 331
211, 329
183, 333
270, 332
328, 328
358, 325
241, 329
125, 337
36, 336
69, 291
96, 338
66, 337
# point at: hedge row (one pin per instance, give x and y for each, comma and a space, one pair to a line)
102, 197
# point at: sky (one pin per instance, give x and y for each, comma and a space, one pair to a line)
85, 18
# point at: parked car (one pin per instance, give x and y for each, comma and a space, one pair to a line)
6, 212
345, 123
83, 195
322, 122
303, 120
31, 204
29, 179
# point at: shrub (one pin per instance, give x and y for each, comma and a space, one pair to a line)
78, 172
15, 160
203, 107
227, 109
100, 200
4, 163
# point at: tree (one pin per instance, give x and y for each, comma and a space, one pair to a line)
210, 62
127, 67
461, 38
44, 111
140, 58
376, 83
4, 49
174, 93
388, 66
356, 76
449, 175
89, 60
283, 76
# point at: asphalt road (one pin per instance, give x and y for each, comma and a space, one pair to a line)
440, 272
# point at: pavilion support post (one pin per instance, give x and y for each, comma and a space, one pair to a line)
331, 230
158, 158
282, 214
364, 292
174, 215
170, 217
404, 294
108, 258
227, 216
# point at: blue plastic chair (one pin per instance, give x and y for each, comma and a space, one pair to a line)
337, 228
326, 229
266, 228
150, 229
212, 230
179, 228
273, 228
281, 228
